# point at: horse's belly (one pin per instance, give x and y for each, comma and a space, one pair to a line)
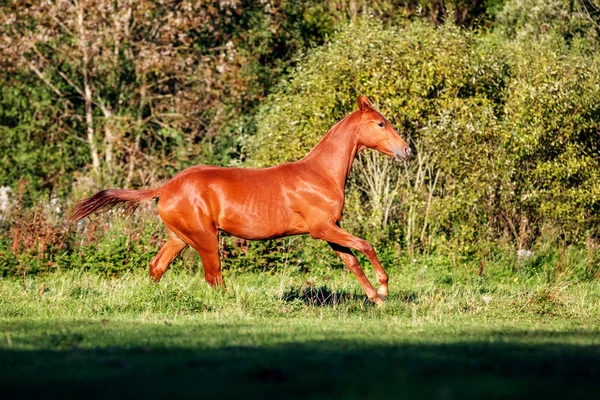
265, 224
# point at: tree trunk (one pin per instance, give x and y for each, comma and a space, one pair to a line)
108, 139
132, 159
89, 120
138, 135
90, 126
352, 9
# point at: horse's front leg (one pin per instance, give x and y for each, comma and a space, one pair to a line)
334, 234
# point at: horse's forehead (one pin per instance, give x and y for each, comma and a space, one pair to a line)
374, 114
358, 116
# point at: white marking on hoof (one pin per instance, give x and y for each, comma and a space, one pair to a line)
382, 292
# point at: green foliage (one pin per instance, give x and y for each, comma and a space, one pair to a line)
503, 121
300, 253
552, 123
125, 246
41, 241
508, 127
35, 144
493, 7
396, 68
533, 19
171, 84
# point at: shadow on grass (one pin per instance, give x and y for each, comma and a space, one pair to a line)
501, 366
320, 296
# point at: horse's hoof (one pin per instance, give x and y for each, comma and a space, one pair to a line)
378, 300
382, 292
155, 277
382, 298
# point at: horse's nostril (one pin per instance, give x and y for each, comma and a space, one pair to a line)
407, 151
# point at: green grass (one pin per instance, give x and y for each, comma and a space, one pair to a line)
296, 335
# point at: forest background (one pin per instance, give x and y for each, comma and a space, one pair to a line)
499, 99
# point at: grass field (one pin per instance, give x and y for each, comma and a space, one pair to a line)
295, 335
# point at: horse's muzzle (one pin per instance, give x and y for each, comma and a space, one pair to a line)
402, 155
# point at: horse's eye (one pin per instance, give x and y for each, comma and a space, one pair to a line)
381, 124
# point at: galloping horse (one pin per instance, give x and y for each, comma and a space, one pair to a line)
295, 198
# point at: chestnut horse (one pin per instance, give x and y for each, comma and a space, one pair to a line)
295, 198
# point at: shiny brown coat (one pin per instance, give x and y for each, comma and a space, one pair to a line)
295, 198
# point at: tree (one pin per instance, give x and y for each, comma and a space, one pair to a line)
126, 65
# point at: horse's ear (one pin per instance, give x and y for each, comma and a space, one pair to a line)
364, 104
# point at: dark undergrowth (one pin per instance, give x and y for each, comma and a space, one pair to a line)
101, 359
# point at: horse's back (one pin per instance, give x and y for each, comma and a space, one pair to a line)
247, 202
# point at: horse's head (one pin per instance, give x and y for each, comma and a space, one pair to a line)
376, 132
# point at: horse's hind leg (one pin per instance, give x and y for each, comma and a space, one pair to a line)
165, 256
212, 267
207, 245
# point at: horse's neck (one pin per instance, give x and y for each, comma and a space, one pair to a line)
332, 157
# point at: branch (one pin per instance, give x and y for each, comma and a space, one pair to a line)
62, 25
584, 5
105, 110
41, 75
162, 124
62, 74
169, 115
70, 82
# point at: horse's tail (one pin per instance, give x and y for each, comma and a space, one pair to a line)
110, 198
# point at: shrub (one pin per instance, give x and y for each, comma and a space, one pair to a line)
506, 131
552, 120
532, 20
